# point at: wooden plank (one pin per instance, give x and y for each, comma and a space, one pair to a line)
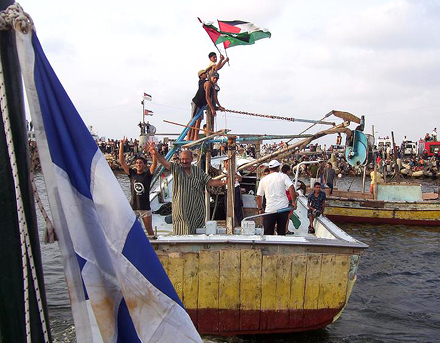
191, 284
207, 309
268, 290
312, 288
299, 268
175, 272
342, 267
326, 291
283, 288
250, 289
229, 290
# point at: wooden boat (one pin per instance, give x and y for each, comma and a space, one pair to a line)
239, 284
401, 203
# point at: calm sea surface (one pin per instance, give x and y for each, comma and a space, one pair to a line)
396, 297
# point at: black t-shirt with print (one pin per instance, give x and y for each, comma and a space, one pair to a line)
140, 189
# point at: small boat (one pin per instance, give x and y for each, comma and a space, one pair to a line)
396, 203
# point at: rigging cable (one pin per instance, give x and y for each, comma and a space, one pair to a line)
10, 18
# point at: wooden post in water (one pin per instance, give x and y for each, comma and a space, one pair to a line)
396, 167
230, 215
208, 165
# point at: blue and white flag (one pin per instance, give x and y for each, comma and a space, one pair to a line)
118, 288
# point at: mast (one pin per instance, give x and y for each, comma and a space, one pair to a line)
12, 296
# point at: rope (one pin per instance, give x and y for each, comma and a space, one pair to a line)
26, 248
15, 17
49, 235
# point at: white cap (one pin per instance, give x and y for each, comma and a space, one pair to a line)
274, 164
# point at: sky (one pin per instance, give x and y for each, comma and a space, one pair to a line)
375, 58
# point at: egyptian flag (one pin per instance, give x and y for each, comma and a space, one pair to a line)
241, 32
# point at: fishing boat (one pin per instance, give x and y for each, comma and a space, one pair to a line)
390, 203
396, 203
249, 283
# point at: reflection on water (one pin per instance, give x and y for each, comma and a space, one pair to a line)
396, 297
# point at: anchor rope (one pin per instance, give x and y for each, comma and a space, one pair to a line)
15, 17
49, 234
10, 18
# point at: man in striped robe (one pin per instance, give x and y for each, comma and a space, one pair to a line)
189, 182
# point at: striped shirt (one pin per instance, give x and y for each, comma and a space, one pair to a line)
188, 199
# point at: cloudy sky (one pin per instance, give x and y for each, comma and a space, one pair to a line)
375, 58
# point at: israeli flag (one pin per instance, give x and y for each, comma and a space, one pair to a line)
118, 288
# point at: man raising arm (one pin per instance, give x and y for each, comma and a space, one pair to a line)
140, 181
189, 183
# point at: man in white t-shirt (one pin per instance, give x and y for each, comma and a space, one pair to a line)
274, 187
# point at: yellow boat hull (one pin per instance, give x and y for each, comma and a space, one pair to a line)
230, 290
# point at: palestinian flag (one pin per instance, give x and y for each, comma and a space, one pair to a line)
237, 32
213, 33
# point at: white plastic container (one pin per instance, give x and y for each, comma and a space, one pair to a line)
211, 227
221, 231
248, 227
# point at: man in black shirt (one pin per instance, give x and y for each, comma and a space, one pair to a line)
197, 103
140, 180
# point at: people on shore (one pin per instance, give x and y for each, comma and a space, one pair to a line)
140, 181
315, 205
189, 183
197, 103
273, 187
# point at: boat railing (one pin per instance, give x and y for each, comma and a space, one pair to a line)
297, 169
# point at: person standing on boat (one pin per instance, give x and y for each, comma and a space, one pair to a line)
189, 183
434, 134
273, 187
316, 204
238, 200
329, 177
213, 65
211, 93
197, 103
140, 180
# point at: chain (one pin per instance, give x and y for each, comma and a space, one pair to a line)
15, 17
269, 116
26, 248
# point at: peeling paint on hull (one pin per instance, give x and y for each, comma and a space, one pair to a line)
237, 291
